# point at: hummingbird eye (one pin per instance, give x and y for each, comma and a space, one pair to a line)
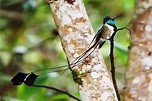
111, 22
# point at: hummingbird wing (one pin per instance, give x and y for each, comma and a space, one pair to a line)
100, 38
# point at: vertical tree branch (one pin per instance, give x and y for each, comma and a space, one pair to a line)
139, 75
76, 33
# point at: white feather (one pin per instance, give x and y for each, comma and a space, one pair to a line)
111, 28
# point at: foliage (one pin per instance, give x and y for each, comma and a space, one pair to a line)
29, 41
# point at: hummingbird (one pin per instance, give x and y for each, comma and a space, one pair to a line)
104, 33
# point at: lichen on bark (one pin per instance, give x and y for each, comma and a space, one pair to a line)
139, 75
76, 34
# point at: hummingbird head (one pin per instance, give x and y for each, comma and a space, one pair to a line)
109, 20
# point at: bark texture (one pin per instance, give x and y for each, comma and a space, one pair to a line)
76, 34
139, 71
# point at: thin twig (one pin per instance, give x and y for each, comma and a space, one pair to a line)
112, 61
113, 66
59, 90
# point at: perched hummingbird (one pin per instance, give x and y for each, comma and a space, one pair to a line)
103, 34
106, 31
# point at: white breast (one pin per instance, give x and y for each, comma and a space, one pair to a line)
111, 28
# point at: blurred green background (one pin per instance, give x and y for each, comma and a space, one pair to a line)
29, 41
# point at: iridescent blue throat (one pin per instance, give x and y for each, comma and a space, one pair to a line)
111, 22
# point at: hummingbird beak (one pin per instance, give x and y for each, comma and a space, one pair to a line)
116, 17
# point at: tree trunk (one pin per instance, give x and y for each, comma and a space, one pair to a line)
76, 34
139, 75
